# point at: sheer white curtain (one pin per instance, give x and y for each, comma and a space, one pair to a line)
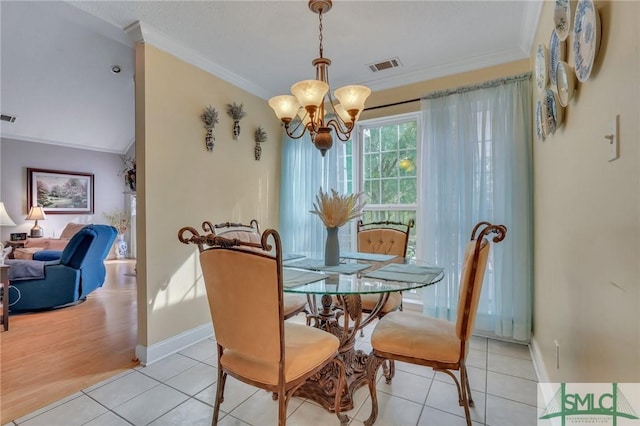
477, 162
304, 172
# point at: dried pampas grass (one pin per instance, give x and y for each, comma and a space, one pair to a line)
335, 210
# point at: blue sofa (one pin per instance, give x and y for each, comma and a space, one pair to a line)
37, 285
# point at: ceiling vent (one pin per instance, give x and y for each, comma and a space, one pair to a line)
385, 65
8, 118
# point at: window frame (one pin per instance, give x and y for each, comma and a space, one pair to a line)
357, 156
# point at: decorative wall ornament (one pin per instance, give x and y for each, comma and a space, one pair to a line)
210, 118
260, 137
236, 112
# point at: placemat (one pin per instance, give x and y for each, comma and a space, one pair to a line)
367, 256
291, 256
318, 265
393, 274
410, 269
294, 277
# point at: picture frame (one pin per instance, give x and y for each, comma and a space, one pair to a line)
60, 192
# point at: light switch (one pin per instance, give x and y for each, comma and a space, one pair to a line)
612, 139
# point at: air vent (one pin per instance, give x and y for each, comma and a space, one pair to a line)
9, 118
385, 65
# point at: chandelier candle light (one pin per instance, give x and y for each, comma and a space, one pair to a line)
312, 105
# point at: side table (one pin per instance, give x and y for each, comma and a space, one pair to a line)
15, 245
4, 294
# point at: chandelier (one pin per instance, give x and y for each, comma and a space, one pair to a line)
312, 108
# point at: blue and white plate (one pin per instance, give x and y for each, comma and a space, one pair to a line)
541, 69
556, 54
554, 111
586, 38
562, 19
541, 118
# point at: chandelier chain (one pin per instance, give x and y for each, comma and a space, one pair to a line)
320, 36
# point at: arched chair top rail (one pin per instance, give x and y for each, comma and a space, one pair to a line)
409, 225
487, 228
189, 235
207, 226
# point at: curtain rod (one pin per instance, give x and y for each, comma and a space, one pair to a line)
461, 89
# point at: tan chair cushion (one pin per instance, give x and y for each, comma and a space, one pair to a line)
382, 241
36, 242
293, 303
306, 348
26, 253
71, 229
393, 302
415, 335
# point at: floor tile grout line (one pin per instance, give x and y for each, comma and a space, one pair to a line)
107, 408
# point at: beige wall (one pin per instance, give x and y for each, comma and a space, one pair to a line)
182, 184
587, 215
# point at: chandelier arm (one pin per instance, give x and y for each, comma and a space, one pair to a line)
292, 133
340, 133
341, 126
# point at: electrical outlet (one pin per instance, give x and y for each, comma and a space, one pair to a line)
555, 341
613, 139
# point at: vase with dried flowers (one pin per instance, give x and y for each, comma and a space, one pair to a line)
260, 137
335, 210
119, 220
210, 119
237, 113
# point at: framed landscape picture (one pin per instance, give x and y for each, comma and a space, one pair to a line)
60, 192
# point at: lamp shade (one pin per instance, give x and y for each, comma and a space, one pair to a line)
352, 97
310, 92
5, 219
285, 106
36, 213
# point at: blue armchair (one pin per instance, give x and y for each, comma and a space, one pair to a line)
79, 271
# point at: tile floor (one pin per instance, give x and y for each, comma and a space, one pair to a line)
180, 390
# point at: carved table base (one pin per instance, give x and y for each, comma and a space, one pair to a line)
344, 322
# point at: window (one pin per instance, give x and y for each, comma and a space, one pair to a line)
383, 160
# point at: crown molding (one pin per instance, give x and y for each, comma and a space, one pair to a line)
450, 68
140, 32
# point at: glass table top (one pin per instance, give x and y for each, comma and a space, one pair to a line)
308, 275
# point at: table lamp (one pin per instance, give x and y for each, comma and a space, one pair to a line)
5, 220
36, 213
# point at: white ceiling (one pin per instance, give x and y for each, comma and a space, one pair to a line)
57, 56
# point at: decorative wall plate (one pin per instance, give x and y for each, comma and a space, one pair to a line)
541, 68
554, 111
562, 19
566, 80
556, 54
541, 119
586, 38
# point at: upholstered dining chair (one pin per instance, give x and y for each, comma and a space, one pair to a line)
386, 237
255, 344
293, 303
442, 345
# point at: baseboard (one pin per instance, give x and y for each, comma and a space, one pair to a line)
538, 361
149, 354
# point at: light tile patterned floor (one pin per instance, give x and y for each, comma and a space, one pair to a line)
180, 390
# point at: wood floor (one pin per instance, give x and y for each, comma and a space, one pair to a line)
47, 356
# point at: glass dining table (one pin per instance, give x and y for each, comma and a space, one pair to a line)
340, 310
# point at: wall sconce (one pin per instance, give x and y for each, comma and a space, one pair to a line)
260, 137
236, 112
210, 118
